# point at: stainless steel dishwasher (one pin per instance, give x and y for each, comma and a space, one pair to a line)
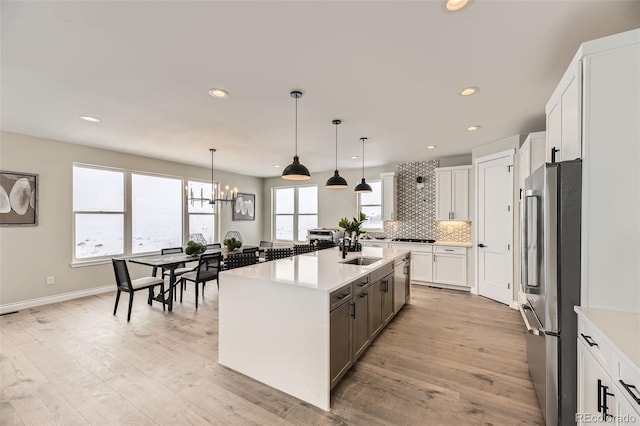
401, 287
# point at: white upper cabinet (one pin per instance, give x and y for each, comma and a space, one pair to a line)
598, 121
564, 118
389, 199
452, 193
530, 156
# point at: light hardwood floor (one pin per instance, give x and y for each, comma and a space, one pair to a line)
449, 358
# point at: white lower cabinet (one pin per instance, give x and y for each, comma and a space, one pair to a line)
608, 382
374, 243
450, 265
596, 393
438, 265
421, 266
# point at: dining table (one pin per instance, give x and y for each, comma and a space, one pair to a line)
171, 262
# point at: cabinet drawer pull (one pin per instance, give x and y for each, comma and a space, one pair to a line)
448, 249
603, 407
353, 315
589, 340
364, 294
628, 387
342, 296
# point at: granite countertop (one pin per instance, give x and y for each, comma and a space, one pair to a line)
322, 270
620, 328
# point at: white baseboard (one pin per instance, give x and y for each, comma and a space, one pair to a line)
16, 306
514, 305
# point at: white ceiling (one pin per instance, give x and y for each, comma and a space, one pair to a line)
390, 70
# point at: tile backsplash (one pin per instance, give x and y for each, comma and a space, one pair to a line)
417, 207
459, 231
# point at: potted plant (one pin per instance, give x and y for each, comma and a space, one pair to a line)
193, 248
353, 226
232, 244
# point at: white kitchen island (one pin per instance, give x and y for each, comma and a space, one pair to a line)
274, 318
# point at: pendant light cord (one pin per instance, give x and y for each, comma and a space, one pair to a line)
363, 139
213, 192
296, 126
336, 147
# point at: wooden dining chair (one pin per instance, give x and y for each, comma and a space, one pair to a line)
207, 270
126, 284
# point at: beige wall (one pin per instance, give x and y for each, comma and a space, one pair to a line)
29, 254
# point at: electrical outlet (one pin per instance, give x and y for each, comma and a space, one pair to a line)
51, 280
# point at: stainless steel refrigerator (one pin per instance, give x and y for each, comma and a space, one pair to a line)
550, 223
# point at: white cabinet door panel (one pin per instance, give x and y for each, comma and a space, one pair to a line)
421, 266
450, 269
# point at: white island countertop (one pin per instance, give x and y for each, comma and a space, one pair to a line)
622, 329
320, 270
274, 318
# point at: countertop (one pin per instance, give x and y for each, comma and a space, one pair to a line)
622, 329
321, 270
437, 243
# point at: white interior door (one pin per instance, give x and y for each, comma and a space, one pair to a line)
495, 227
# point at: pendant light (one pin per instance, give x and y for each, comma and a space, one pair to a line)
295, 170
336, 181
363, 186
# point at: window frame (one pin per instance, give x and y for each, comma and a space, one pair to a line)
75, 213
296, 238
187, 215
183, 201
360, 205
127, 213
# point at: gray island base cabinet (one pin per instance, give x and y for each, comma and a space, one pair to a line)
298, 324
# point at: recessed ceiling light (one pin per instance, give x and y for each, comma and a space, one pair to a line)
89, 119
432, 147
472, 128
455, 5
276, 165
219, 93
354, 157
468, 91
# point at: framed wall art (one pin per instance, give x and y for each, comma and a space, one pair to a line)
244, 207
18, 199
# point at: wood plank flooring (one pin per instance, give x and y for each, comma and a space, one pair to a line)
448, 358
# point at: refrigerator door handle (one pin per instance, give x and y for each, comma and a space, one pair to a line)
526, 220
530, 330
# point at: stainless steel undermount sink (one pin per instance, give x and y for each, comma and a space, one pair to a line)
362, 261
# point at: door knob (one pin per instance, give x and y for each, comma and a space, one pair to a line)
481, 245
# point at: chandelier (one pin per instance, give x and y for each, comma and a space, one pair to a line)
217, 194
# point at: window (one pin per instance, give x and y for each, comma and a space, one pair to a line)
120, 212
98, 212
371, 204
156, 213
201, 214
295, 211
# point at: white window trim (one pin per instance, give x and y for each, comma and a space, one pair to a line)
127, 214
381, 229
295, 214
